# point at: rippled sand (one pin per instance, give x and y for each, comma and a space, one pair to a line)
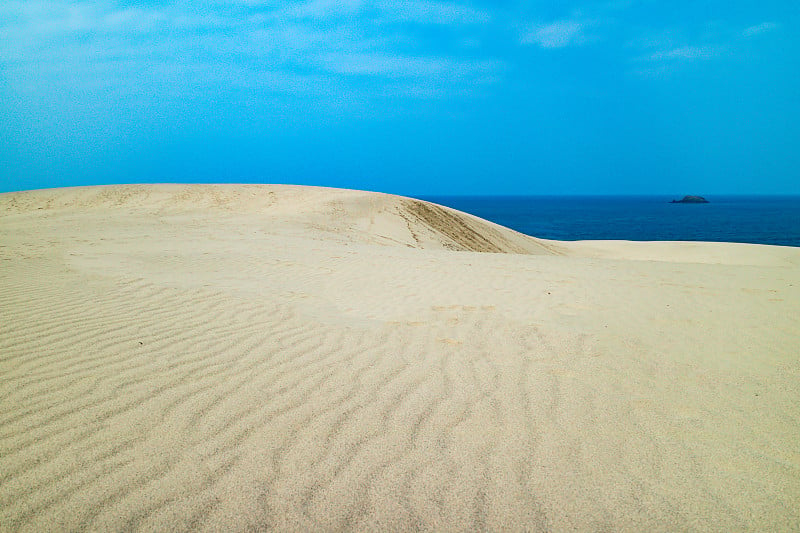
195, 357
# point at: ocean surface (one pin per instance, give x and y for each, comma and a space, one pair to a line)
751, 219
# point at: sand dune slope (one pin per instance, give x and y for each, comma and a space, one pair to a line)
185, 357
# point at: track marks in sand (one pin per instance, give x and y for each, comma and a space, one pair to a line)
459, 231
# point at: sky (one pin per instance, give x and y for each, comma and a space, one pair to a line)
423, 97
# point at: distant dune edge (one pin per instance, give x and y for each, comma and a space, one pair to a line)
427, 225
270, 357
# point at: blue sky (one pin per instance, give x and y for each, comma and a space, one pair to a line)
419, 97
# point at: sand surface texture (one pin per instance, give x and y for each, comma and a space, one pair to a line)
195, 357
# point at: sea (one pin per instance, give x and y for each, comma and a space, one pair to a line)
749, 219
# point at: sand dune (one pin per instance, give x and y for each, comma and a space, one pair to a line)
248, 357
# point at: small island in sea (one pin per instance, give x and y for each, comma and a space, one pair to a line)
690, 200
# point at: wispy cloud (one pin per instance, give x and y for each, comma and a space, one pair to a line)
320, 9
665, 62
593, 23
666, 48
414, 11
557, 34
266, 44
428, 12
758, 29
685, 53
401, 66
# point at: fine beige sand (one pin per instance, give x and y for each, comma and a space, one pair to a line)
253, 357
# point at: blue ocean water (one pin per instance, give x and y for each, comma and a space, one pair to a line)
759, 219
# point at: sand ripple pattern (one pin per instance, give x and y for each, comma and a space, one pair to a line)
142, 407
165, 367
